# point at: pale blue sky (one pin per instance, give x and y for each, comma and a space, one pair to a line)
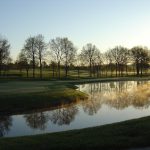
105, 23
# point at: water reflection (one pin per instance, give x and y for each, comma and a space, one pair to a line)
37, 120
107, 103
63, 115
92, 105
60, 116
5, 124
118, 95
138, 98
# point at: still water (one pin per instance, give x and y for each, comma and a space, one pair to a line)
107, 103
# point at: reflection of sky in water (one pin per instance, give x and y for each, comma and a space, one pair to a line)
107, 103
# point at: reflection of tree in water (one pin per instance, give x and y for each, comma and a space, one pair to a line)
98, 93
63, 115
102, 87
5, 124
137, 97
118, 100
118, 95
37, 120
142, 97
92, 105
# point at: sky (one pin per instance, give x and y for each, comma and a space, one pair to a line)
105, 23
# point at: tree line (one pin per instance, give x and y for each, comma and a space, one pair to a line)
61, 54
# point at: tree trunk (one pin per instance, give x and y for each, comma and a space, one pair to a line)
0, 68
97, 70
126, 69
0, 64
53, 70
106, 71
40, 68
66, 71
27, 72
100, 70
33, 65
59, 70
116, 69
90, 69
137, 69
141, 66
78, 72
93, 70
122, 70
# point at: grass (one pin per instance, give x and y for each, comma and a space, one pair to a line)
21, 96
128, 134
72, 74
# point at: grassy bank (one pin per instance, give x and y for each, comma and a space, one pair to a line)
128, 134
22, 96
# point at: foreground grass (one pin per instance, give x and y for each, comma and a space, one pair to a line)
128, 134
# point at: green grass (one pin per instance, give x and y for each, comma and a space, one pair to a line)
72, 74
21, 96
133, 133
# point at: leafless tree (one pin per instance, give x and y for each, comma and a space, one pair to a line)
78, 64
23, 61
4, 52
31, 51
97, 62
140, 57
119, 56
41, 50
108, 60
87, 53
69, 53
57, 50
53, 65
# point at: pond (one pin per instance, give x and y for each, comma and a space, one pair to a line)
107, 103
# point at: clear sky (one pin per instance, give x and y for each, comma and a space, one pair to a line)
105, 23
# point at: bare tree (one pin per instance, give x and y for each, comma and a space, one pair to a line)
23, 61
97, 62
57, 50
140, 57
69, 53
4, 52
119, 56
125, 58
145, 60
78, 64
109, 60
41, 50
53, 65
31, 51
87, 53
